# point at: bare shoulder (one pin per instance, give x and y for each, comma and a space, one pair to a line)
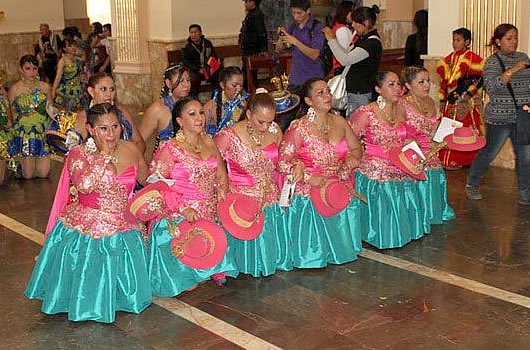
155, 108
45, 86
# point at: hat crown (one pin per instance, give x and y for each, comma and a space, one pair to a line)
413, 157
463, 132
198, 247
246, 208
337, 195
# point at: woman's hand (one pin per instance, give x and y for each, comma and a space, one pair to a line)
317, 180
298, 173
100, 141
191, 215
352, 161
328, 32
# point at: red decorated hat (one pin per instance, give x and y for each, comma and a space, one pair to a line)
147, 203
331, 199
465, 139
407, 161
199, 245
241, 216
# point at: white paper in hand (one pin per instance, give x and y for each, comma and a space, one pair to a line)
447, 127
287, 193
414, 146
157, 177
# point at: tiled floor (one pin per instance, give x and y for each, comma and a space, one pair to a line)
362, 305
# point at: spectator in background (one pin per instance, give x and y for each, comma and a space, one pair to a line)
195, 56
417, 43
47, 51
103, 51
92, 41
344, 33
305, 36
253, 34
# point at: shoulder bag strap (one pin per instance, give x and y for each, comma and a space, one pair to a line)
508, 85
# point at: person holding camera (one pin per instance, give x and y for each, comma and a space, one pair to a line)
507, 82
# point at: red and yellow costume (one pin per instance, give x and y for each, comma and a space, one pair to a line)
461, 75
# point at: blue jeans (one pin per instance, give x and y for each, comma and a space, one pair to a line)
496, 135
355, 101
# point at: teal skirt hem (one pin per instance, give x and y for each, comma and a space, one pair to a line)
91, 279
317, 240
433, 193
394, 215
270, 251
169, 277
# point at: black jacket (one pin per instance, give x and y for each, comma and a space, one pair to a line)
191, 56
253, 34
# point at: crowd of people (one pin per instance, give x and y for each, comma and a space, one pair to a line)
227, 192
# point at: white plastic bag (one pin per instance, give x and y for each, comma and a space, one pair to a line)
337, 86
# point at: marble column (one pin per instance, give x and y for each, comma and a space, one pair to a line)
130, 55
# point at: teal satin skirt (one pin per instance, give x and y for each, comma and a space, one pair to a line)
433, 194
395, 214
91, 279
169, 277
269, 252
317, 240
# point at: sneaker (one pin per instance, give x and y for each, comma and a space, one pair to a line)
473, 193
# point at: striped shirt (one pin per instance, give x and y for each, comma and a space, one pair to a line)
501, 109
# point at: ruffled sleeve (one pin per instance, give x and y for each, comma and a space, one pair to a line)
223, 142
85, 175
163, 161
289, 149
358, 121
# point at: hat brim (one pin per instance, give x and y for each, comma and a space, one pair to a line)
294, 101
322, 208
219, 250
235, 230
394, 158
56, 140
480, 143
159, 186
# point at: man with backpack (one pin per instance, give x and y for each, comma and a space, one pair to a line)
307, 41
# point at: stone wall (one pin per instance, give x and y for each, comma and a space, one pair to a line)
12, 47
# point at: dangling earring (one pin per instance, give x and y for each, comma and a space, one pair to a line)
273, 128
179, 136
91, 103
91, 145
381, 103
311, 114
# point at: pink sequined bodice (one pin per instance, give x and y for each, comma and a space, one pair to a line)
317, 155
195, 180
102, 195
422, 129
251, 171
379, 138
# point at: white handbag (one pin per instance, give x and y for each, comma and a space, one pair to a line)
337, 87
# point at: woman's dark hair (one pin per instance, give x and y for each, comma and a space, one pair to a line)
177, 111
108, 27
175, 70
421, 21
380, 77
71, 31
98, 28
224, 77
96, 77
305, 91
408, 74
343, 9
300, 4
263, 100
364, 13
96, 111
29, 58
499, 32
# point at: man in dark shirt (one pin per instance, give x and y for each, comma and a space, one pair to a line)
47, 51
307, 41
195, 56
253, 34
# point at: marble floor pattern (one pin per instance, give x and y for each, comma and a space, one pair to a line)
384, 300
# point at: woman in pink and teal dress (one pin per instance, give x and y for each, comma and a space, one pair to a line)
5, 124
395, 214
28, 98
93, 262
250, 149
190, 159
68, 92
317, 149
421, 124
